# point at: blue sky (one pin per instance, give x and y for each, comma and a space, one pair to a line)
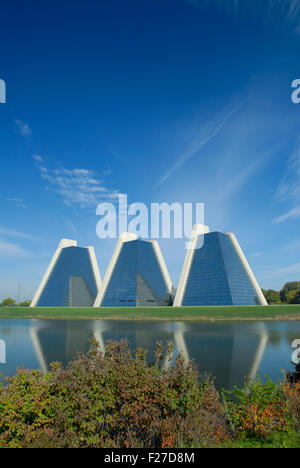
164, 100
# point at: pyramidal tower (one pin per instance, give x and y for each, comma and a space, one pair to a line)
72, 278
137, 276
216, 273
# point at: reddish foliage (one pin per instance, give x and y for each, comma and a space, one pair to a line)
115, 400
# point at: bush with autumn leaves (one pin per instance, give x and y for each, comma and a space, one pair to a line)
264, 411
117, 400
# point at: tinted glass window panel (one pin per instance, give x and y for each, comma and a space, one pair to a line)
72, 281
217, 276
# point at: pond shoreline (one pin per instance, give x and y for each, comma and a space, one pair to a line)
188, 314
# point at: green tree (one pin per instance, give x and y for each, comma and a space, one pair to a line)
288, 287
272, 297
25, 303
293, 297
8, 302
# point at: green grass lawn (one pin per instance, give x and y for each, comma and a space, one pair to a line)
284, 312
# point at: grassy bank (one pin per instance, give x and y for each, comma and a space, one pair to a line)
284, 312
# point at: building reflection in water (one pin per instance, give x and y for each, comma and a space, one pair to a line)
225, 350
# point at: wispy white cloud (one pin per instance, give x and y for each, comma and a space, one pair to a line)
293, 247
23, 128
283, 250
283, 271
38, 158
18, 202
70, 226
13, 233
239, 178
281, 13
12, 250
255, 255
206, 134
76, 186
291, 214
289, 187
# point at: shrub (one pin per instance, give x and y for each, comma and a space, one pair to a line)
111, 400
117, 400
25, 406
259, 410
292, 397
25, 303
206, 426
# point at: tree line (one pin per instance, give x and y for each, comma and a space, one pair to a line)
289, 294
9, 302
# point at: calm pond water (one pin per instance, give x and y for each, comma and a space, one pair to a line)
229, 351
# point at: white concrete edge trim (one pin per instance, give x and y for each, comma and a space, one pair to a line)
186, 269
95, 268
98, 330
198, 230
38, 349
162, 265
260, 351
248, 269
184, 277
63, 243
181, 346
125, 237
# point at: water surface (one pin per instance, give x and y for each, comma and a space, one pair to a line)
230, 351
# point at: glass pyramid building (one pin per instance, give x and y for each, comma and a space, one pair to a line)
216, 273
137, 276
72, 279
